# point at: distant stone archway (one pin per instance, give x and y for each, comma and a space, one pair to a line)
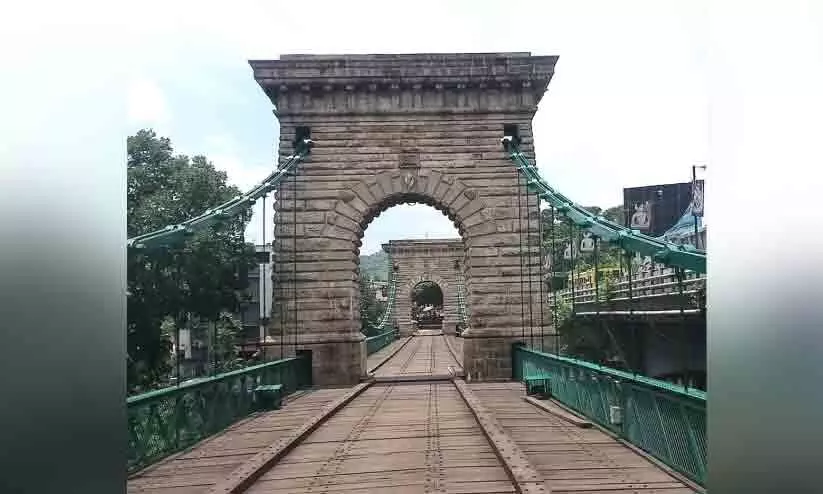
435, 260
427, 303
393, 129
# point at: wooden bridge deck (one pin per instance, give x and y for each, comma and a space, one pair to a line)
422, 357
377, 358
199, 468
572, 459
423, 436
456, 346
394, 438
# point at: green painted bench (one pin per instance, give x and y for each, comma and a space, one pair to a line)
268, 396
537, 385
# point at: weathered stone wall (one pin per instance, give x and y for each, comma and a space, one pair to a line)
392, 129
432, 260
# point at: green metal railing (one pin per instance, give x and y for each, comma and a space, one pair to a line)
665, 420
380, 341
168, 420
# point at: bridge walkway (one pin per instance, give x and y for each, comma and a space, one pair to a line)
394, 438
200, 467
572, 459
426, 357
381, 356
426, 435
455, 344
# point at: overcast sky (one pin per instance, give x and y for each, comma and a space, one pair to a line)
627, 105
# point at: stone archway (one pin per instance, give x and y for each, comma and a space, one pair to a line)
437, 260
402, 129
427, 301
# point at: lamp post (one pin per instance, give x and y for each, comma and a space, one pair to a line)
694, 210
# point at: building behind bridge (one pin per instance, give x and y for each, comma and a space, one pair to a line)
665, 211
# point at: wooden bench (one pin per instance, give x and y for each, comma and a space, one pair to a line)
268, 396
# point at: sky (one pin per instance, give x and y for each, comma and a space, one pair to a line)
627, 105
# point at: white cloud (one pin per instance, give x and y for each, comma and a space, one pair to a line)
223, 151
146, 105
627, 106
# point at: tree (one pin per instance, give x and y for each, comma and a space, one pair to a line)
427, 293
371, 310
199, 278
557, 239
374, 265
226, 331
615, 214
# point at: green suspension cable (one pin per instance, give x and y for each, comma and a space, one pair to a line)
572, 248
260, 337
179, 280
541, 274
294, 255
179, 231
683, 328
596, 278
522, 271
685, 256
554, 285
281, 285
529, 237
629, 268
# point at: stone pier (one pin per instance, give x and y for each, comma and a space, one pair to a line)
437, 261
394, 129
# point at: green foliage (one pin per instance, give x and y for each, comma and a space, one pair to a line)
374, 266
427, 293
557, 237
615, 214
370, 308
200, 278
227, 330
577, 338
563, 311
607, 286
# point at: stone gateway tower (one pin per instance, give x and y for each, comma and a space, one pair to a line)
393, 129
417, 261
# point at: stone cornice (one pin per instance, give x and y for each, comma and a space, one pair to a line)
448, 247
423, 82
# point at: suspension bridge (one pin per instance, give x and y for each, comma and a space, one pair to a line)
499, 404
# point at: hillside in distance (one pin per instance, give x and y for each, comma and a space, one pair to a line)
375, 266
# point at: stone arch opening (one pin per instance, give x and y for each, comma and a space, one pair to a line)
427, 305
422, 251
406, 198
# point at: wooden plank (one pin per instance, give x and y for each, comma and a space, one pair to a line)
558, 412
455, 346
252, 468
572, 459
201, 466
380, 357
422, 358
393, 438
524, 475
